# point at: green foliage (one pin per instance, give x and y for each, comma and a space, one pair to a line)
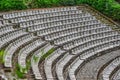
18, 72
108, 7
28, 63
67, 2
2, 52
28, 3
46, 3
11, 5
48, 53
24, 70
35, 58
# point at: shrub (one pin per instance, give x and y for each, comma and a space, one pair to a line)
46, 3
11, 5
67, 2
108, 7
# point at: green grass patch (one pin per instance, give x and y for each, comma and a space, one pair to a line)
28, 63
48, 53
18, 71
2, 52
35, 58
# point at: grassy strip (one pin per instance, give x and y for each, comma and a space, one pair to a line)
35, 58
2, 52
48, 53
20, 72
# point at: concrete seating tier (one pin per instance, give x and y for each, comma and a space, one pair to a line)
24, 52
90, 68
9, 51
48, 63
11, 35
6, 29
34, 62
34, 12
60, 65
116, 75
108, 70
90, 51
74, 67
75, 32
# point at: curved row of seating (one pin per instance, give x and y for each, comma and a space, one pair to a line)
49, 61
77, 34
108, 70
4, 39
84, 55
12, 47
117, 75
6, 29
89, 69
24, 52
34, 12
36, 58
73, 67
103, 47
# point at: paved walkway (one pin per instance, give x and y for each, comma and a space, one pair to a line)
90, 70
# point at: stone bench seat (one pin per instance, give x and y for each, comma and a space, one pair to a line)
9, 51
34, 62
24, 52
10, 36
48, 63
107, 71
60, 65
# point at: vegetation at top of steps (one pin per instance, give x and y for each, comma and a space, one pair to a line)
110, 8
6, 5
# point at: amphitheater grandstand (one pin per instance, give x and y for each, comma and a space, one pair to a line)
61, 43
